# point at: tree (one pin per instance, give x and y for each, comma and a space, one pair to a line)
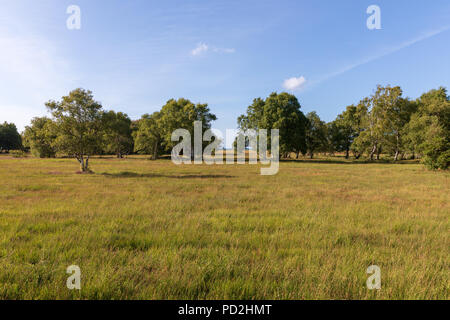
316, 134
278, 111
117, 131
343, 131
78, 125
10, 138
154, 132
382, 121
181, 114
40, 136
148, 136
428, 131
398, 114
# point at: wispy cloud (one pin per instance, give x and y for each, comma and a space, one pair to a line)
294, 84
385, 53
203, 48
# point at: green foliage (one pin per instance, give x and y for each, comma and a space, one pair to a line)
40, 136
181, 114
278, 111
117, 133
316, 134
10, 138
78, 125
428, 132
383, 123
18, 153
154, 132
346, 128
148, 135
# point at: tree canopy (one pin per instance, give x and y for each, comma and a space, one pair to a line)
278, 111
10, 138
78, 125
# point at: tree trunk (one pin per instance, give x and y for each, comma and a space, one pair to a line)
155, 152
84, 164
397, 151
372, 153
396, 155
298, 154
378, 153
311, 155
347, 153
81, 161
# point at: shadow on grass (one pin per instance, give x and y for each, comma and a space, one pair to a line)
126, 174
337, 161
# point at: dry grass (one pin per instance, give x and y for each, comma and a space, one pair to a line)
141, 229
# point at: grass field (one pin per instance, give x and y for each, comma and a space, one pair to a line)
143, 229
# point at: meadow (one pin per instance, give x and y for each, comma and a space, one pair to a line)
142, 229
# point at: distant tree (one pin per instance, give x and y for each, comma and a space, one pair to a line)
10, 138
316, 134
148, 136
117, 133
379, 124
428, 131
78, 125
398, 116
278, 111
346, 128
181, 114
254, 116
40, 136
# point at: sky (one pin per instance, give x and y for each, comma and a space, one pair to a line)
135, 55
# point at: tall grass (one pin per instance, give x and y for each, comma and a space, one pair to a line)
143, 229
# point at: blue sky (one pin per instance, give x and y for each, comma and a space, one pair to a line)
136, 54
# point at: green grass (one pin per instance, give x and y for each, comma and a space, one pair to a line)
143, 229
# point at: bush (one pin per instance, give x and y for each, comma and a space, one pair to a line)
18, 153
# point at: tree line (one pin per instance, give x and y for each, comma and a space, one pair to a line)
384, 123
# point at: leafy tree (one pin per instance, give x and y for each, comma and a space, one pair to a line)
278, 111
40, 136
381, 122
181, 114
254, 116
10, 138
397, 116
345, 129
154, 132
148, 136
428, 131
117, 132
78, 125
316, 134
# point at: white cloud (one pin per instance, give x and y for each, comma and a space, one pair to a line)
203, 48
391, 50
294, 84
